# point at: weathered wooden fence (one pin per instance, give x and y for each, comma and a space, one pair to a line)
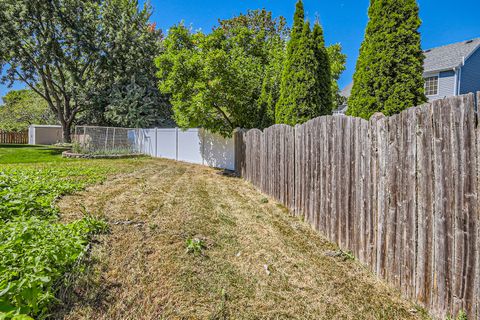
400, 192
8, 137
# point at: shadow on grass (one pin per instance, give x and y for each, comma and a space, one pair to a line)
19, 146
53, 151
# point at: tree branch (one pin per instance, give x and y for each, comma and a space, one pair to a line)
224, 115
31, 86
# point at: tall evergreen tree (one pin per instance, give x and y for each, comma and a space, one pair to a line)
388, 75
305, 91
123, 91
323, 73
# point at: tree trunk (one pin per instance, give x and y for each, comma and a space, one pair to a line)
66, 128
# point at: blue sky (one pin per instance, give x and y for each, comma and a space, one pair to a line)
344, 21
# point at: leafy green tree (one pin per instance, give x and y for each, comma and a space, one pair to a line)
388, 75
305, 91
226, 79
48, 45
74, 52
337, 66
22, 108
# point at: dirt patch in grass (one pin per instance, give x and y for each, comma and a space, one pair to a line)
255, 260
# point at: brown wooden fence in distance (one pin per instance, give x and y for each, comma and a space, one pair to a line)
20, 137
400, 192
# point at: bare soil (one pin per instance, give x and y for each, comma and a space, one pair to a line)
258, 262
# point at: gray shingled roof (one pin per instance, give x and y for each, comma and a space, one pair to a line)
440, 58
347, 91
449, 56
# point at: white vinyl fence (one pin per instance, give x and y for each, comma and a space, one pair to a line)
192, 145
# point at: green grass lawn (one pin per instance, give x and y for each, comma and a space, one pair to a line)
21, 153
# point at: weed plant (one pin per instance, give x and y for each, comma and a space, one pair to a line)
37, 250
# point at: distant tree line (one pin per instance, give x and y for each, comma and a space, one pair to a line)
22, 108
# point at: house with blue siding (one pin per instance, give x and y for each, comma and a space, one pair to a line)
452, 70
449, 70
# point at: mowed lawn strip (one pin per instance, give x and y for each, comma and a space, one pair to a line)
254, 260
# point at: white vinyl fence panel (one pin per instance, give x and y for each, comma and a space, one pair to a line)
193, 145
166, 144
218, 151
190, 146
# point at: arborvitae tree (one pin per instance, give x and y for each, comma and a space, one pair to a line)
298, 100
388, 76
323, 74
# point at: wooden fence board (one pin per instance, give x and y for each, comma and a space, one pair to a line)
449, 201
363, 198
347, 194
467, 237
340, 172
458, 216
10, 137
476, 217
373, 179
354, 189
382, 154
411, 202
392, 192
316, 176
401, 193
439, 233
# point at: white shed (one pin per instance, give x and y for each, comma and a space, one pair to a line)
44, 134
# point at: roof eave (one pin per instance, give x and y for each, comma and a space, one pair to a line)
426, 72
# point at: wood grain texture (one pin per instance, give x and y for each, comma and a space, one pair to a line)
400, 192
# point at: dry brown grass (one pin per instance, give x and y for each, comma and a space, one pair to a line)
259, 262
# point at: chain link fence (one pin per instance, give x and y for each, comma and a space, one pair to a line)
107, 140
